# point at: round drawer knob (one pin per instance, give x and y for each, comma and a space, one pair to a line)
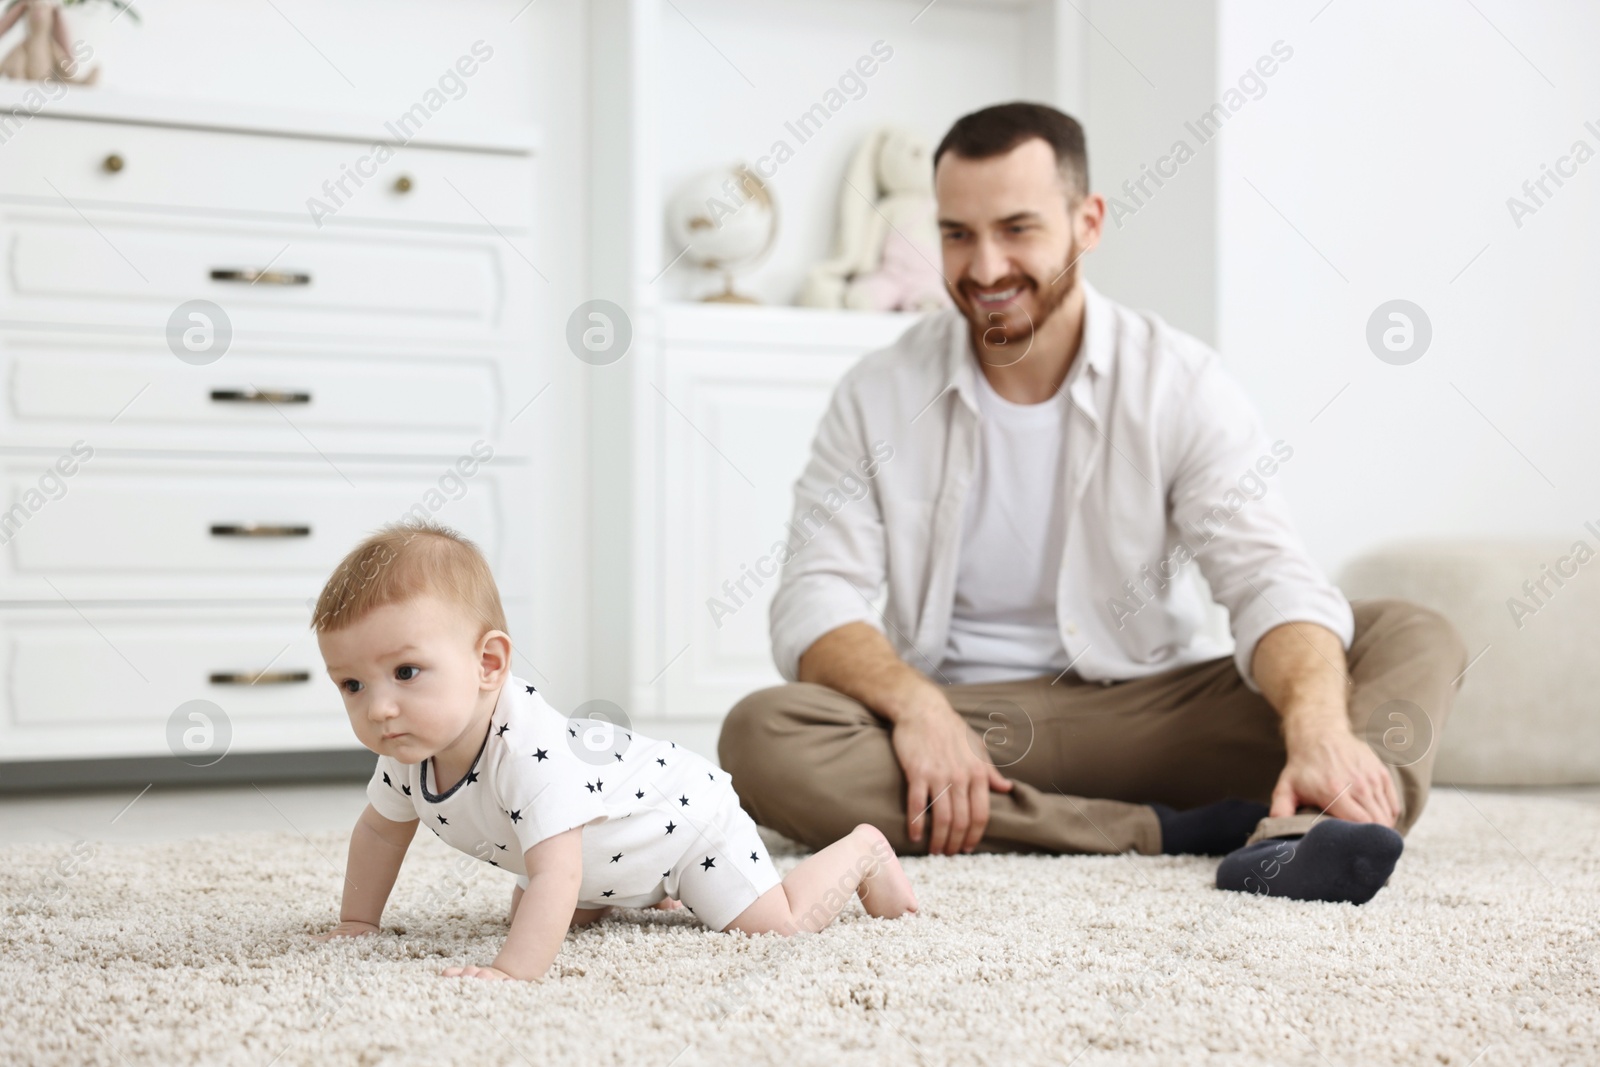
112, 163
402, 184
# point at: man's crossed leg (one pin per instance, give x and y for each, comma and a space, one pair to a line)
1133, 765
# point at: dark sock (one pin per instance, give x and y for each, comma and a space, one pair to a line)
1213, 830
1336, 860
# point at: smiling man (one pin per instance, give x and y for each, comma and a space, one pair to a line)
1039, 679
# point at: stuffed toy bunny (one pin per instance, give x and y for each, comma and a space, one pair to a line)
887, 251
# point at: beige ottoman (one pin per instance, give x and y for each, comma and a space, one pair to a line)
1528, 712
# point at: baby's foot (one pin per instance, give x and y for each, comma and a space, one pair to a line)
667, 905
885, 892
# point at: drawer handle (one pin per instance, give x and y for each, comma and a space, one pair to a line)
257, 529
403, 184
112, 163
266, 677
250, 276
260, 396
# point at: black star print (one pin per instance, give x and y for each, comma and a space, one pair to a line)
589, 786
541, 755
619, 756
666, 874
674, 744
598, 784
662, 762
501, 847
443, 821
753, 858
709, 778
472, 776
671, 827
617, 857
609, 892
406, 789
683, 801
708, 864
529, 688
571, 731
492, 863
435, 832
640, 794
503, 728
386, 780
516, 816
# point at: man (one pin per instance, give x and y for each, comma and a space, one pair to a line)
1044, 464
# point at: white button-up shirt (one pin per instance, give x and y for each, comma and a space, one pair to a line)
1166, 462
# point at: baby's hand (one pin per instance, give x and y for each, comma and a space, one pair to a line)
349, 928
493, 974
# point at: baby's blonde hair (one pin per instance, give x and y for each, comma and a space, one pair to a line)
407, 559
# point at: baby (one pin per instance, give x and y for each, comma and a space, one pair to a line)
589, 816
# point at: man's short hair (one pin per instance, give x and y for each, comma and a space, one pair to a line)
996, 130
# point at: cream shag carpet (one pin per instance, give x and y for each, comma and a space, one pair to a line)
1481, 950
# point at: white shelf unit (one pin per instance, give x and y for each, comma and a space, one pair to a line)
179, 559
701, 429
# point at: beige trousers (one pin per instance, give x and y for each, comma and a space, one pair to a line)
1087, 758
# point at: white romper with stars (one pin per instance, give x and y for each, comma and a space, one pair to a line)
658, 820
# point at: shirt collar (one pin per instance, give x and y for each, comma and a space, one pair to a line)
1094, 355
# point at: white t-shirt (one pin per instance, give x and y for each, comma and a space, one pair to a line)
645, 804
1003, 622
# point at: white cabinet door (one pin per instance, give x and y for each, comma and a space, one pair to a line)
726, 506
747, 391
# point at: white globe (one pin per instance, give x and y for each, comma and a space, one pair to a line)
724, 217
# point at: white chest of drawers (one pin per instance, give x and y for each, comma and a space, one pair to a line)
168, 517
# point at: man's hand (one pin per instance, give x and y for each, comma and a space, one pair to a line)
348, 928
1334, 770
948, 771
947, 767
1302, 670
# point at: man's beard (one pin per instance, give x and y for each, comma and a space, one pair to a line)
1011, 326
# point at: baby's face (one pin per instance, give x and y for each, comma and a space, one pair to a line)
408, 674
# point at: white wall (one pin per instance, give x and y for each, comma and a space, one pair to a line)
368, 57
1150, 67
1391, 142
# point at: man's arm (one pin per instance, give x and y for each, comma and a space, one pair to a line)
1290, 624
947, 768
1300, 667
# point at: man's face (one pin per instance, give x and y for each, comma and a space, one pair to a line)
409, 676
1010, 241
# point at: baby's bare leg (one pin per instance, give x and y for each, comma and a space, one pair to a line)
816, 890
